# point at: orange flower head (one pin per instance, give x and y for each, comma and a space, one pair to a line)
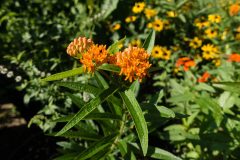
94, 57
234, 57
185, 62
204, 77
234, 9
78, 46
133, 62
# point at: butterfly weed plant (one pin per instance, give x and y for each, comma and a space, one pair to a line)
112, 123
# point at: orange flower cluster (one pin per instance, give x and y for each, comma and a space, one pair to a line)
133, 62
95, 56
79, 46
234, 57
204, 77
185, 62
234, 9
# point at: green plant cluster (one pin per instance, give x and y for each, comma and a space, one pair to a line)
34, 36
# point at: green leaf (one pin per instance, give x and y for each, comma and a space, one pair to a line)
135, 86
138, 118
76, 100
114, 48
81, 134
125, 150
204, 86
149, 42
68, 156
229, 86
109, 67
158, 153
66, 74
181, 3
108, 6
86, 109
96, 147
101, 81
77, 86
165, 112
206, 102
93, 116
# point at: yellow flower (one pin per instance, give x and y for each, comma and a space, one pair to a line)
210, 33
237, 36
171, 14
176, 48
115, 27
149, 25
224, 35
130, 19
161, 52
209, 52
94, 57
200, 23
150, 12
136, 43
214, 18
133, 62
158, 25
217, 62
195, 43
78, 46
138, 7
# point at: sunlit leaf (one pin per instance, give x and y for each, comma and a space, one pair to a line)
115, 46
65, 74
149, 42
109, 67
138, 118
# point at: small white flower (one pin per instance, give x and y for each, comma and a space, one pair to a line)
18, 78
10, 74
1, 67
4, 70
43, 74
86, 97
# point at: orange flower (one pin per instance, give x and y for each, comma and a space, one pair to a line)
185, 62
94, 57
234, 9
133, 62
234, 57
204, 77
78, 46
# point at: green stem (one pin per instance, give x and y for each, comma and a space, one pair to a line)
121, 130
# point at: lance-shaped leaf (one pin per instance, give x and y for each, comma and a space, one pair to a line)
88, 108
65, 74
138, 118
229, 86
77, 86
93, 116
156, 153
109, 67
115, 46
149, 42
83, 135
96, 147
